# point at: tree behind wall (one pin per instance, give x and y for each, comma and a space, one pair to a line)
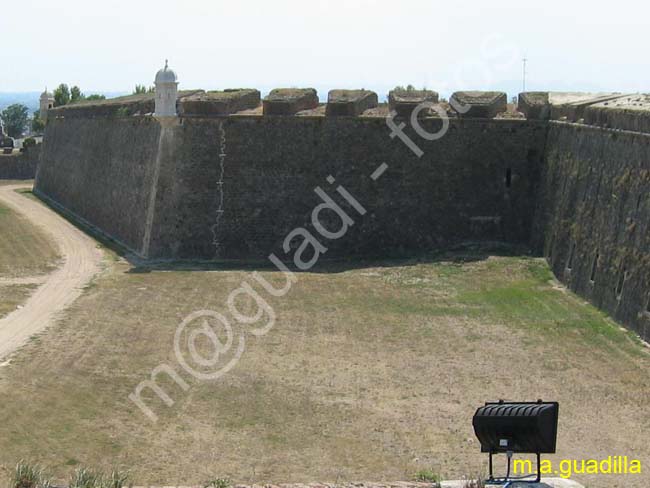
141, 89
61, 95
14, 118
76, 95
64, 95
37, 123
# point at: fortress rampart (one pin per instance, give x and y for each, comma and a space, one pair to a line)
231, 178
593, 221
20, 165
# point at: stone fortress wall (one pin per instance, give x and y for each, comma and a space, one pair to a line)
20, 165
227, 180
231, 177
593, 205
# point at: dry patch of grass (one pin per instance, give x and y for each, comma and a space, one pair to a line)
11, 296
369, 373
25, 250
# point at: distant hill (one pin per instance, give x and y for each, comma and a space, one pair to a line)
30, 99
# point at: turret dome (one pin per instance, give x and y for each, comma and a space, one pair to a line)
166, 75
166, 93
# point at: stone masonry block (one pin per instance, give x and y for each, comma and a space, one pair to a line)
350, 102
479, 104
289, 101
534, 105
219, 102
404, 101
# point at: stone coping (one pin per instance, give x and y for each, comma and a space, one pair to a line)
630, 112
219, 102
350, 102
482, 104
289, 101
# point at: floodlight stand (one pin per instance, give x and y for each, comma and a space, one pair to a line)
508, 478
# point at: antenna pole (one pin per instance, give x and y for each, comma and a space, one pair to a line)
524, 61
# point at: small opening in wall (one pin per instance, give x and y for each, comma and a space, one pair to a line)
621, 283
508, 178
647, 306
638, 202
571, 255
594, 267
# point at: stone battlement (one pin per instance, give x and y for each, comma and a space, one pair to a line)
291, 102
608, 110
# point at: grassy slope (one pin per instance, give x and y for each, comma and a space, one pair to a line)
25, 251
370, 373
11, 296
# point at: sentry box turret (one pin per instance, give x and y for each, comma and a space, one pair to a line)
521, 427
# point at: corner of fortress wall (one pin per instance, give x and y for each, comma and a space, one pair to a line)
594, 218
227, 180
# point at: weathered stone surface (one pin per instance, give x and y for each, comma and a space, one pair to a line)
20, 165
350, 102
479, 104
630, 112
126, 106
592, 220
535, 105
219, 102
569, 106
405, 101
289, 101
110, 185
608, 110
271, 167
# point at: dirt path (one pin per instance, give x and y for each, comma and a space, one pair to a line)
81, 261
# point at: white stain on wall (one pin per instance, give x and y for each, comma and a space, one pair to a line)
220, 195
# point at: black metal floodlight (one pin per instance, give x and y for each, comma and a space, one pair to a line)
521, 427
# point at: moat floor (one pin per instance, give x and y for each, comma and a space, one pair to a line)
370, 371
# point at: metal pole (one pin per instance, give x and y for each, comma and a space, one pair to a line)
491, 476
524, 69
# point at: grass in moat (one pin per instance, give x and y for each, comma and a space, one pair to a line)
24, 249
26, 252
371, 372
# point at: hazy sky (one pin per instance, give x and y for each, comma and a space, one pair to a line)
112, 45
